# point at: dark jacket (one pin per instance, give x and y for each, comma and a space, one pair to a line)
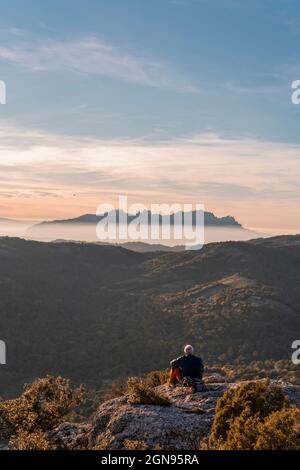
191, 366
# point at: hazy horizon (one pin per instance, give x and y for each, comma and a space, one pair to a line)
86, 232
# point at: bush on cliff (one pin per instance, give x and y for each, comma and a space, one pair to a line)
254, 415
141, 392
26, 420
120, 386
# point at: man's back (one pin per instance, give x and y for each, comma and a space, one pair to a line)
191, 366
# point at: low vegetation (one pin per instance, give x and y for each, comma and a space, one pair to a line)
254, 416
131, 444
142, 392
124, 386
27, 421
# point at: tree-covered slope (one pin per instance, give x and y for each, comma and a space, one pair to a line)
95, 313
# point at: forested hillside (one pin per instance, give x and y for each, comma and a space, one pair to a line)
96, 313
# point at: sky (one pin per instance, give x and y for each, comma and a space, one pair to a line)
177, 101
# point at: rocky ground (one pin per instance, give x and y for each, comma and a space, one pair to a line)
182, 425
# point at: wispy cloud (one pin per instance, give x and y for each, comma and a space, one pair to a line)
254, 180
92, 56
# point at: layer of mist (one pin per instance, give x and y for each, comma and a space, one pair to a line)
87, 233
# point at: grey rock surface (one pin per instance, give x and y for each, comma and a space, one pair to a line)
182, 425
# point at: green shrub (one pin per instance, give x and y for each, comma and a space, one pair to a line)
157, 377
140, 392
279, 431
42, 406
254, 415
131, 444
119, 387
31, 441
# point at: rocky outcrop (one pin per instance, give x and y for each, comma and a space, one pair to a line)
182, 425
71, 436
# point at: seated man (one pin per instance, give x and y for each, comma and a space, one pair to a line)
187, 368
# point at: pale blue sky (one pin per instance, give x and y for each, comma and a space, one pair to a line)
160, 68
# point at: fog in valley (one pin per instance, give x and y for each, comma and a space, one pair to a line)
87, 233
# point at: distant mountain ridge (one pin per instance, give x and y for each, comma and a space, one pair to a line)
209, 218
84, 227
